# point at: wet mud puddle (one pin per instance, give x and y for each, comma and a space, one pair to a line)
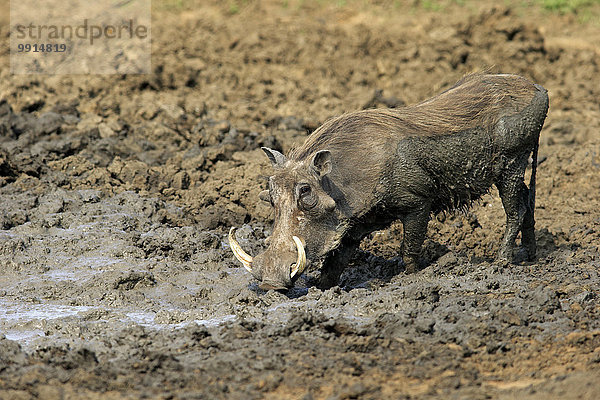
25, 322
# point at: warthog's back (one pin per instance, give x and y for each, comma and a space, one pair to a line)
477, 100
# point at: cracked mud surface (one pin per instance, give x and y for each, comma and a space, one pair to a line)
117, 193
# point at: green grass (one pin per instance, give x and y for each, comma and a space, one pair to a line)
234, 7
173, 5
431, 5
585, 10
568, 6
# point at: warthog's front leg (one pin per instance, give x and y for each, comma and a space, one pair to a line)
336, 262
415, 230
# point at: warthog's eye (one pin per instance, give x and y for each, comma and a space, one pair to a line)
306, 197
304, 190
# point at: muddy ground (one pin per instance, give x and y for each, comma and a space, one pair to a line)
117, 192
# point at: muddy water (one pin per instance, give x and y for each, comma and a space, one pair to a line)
117, 193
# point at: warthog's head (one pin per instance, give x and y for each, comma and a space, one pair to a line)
305, 223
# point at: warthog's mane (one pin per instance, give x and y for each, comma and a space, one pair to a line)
477, 100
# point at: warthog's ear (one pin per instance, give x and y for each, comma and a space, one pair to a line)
265, 196
321, 163
277, 159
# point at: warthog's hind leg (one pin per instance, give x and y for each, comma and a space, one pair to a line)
519, 210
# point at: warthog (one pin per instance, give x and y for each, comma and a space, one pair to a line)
359, 172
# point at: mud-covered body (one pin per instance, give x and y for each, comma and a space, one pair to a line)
373, 167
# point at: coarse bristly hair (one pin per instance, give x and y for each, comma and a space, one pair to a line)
476, 100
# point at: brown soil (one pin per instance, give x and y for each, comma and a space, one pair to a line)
117, 192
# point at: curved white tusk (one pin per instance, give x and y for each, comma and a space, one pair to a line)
300, 264
241, 255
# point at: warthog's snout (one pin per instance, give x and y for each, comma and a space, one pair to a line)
275, 269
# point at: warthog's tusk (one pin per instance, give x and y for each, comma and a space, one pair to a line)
300, 264
245, 258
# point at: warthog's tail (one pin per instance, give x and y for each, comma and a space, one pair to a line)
534, 164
